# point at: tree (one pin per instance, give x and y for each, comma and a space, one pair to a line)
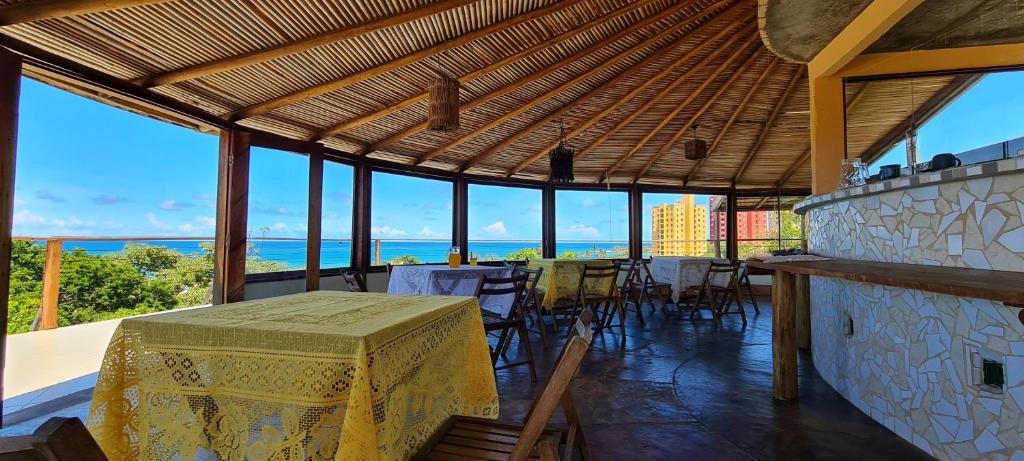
405, 259
149, 259
524, 254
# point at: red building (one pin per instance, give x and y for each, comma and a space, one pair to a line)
749, 224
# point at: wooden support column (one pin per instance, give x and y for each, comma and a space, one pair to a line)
314, 217
548, 221
232, 217
48, 303
460, 216
731, 231
803, 311
828, 133
636, 232
10, 89
361, 192
784, 360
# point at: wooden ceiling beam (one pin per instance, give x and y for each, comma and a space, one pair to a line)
351, 79
735, 115
696, 116
539, 75
47, 9
582, 127
297, 46
793, 168
679, 108
421, 97
797, 77
670, 88
582, 78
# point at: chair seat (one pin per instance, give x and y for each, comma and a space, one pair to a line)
469, 438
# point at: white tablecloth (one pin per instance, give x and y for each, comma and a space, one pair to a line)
439, 279
683, 272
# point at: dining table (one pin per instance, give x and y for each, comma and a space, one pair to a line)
441, 279
683, 272
561, 278
318, 375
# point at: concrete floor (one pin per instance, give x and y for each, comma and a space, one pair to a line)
680, 389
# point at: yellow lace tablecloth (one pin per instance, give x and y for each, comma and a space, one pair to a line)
561, 278
322, 375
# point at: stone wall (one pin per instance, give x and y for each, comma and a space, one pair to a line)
912, 359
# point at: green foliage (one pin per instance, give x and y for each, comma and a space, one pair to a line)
405, 259
523, 254
141, 279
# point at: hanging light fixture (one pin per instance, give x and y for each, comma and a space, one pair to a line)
443, 114
561, 158
695, 149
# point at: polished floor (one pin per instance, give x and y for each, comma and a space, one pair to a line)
691, 390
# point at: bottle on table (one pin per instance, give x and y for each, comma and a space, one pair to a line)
454, 257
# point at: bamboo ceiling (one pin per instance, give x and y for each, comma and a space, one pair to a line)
630, 80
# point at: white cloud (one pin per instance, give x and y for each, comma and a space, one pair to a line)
497, 228
188, 228
27, 218
154, 222
427, 232
386, 231
589, 203
280, 227
18, 202
581, 230
173, 205
206, 221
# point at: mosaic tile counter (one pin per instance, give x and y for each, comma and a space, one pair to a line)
913, 361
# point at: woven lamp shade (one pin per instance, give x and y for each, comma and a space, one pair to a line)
695, 149
443, 114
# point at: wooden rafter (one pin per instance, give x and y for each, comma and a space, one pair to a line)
666, 91
46, 9
580, 128
700, 112
297, 46
732, 118
626, 54
793, 168
679, 108
508, 89
421, 97
339, 83
797, 77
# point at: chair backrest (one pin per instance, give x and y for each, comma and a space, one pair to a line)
551, 395
532, 279
58, 439
499, 286
355, 281
716, 268
629, 280
594, 275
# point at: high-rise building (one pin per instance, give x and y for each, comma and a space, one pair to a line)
680, 228
749, 224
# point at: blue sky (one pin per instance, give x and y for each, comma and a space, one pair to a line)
986, 114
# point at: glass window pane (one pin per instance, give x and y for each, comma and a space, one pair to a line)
683, 225
336, 227
766, 230
591, 224
278, 205
411, 219
504, 223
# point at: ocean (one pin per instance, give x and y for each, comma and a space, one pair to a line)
336, 253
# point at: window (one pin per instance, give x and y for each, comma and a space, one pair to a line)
504, 222
782, 229
591, 224
683, 225
278, 205
336, 224
411, 219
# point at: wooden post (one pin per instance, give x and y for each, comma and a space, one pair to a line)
10, 88
548, 221
232, 217
51, 285
636, 234
460, 214
784, 360
314, 217
376, 253
731, 231
803, 311
361, 193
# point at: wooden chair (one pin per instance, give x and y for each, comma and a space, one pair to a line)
58, 439
651, 288
715, 297
507, 325
533, 302
468, 438
355, 281
629, 292
744, 281
603, 299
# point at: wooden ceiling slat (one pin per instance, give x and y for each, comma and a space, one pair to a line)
793, 168
421, 97
797, 78
732, 119
668, 90
256, 57
639, 47
407, 59
48, 9
696, 116
600, 115
564, 62
665, 121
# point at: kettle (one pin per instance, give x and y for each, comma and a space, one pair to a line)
943, 161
